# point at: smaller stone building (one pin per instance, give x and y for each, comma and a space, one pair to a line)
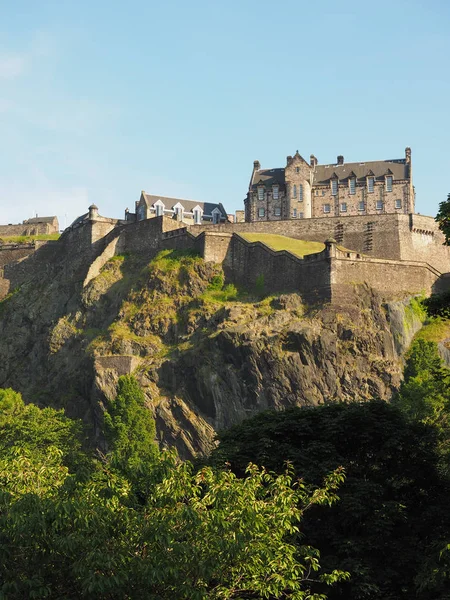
190, 212
303, 190
34, 226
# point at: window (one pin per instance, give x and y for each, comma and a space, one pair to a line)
260, 193
261, 212
344, 207
323, 192
398, 204
362, 205
275, 192
379, 205
389, 183
370, 184
294, 191
297, 169
300, 215
352, 185
197, 217
277, 211
300, 193
159, 209
334, 187
216, 216
326, 208
294, 213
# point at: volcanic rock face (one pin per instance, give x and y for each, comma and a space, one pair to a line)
206, 354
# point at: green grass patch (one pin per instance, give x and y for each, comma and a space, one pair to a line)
280, 242
26, 239
436, 329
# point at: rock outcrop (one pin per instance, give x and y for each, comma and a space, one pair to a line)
206, 354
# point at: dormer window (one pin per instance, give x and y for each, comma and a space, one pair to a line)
300, 193
275, 192
260, 193
370, 184
352, 185
197, 212
294, 191
159, 208
389, 183
334, 187
216, 216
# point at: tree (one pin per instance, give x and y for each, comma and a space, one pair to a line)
392, 505
443, 218
130, 431
200, 534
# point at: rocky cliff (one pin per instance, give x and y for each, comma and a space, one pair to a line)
206, 354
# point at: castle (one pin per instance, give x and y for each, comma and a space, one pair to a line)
363, 213
304, 190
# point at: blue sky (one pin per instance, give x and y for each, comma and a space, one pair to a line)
100, 100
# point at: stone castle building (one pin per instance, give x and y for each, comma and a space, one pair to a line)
303, 190
191, 212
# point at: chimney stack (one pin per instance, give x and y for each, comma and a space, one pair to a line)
340, 159
256, 165
288, 160
313, 161
408, 155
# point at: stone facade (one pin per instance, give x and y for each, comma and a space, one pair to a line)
35, 226
303, 190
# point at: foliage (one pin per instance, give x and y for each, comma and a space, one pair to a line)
130, 430
392, 517
200, 535
443, 218
438, 305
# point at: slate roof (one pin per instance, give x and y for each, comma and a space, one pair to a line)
269, 177
323, 173
39, 220
188, 205
379, 168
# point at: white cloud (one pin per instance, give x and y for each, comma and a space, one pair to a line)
12, 65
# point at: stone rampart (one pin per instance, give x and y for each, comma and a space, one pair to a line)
391, 236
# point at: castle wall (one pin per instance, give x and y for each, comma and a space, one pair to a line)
20, 229
373, 235
256, 266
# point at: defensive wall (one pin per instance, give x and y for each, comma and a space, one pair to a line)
391, 236
411, 258
36, 226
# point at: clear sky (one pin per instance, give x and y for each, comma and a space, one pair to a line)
100, 100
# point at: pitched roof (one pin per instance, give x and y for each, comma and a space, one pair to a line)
188, 205
40, 220
378, 168
268, 177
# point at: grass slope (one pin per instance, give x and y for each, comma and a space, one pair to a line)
281, 242
25, 239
